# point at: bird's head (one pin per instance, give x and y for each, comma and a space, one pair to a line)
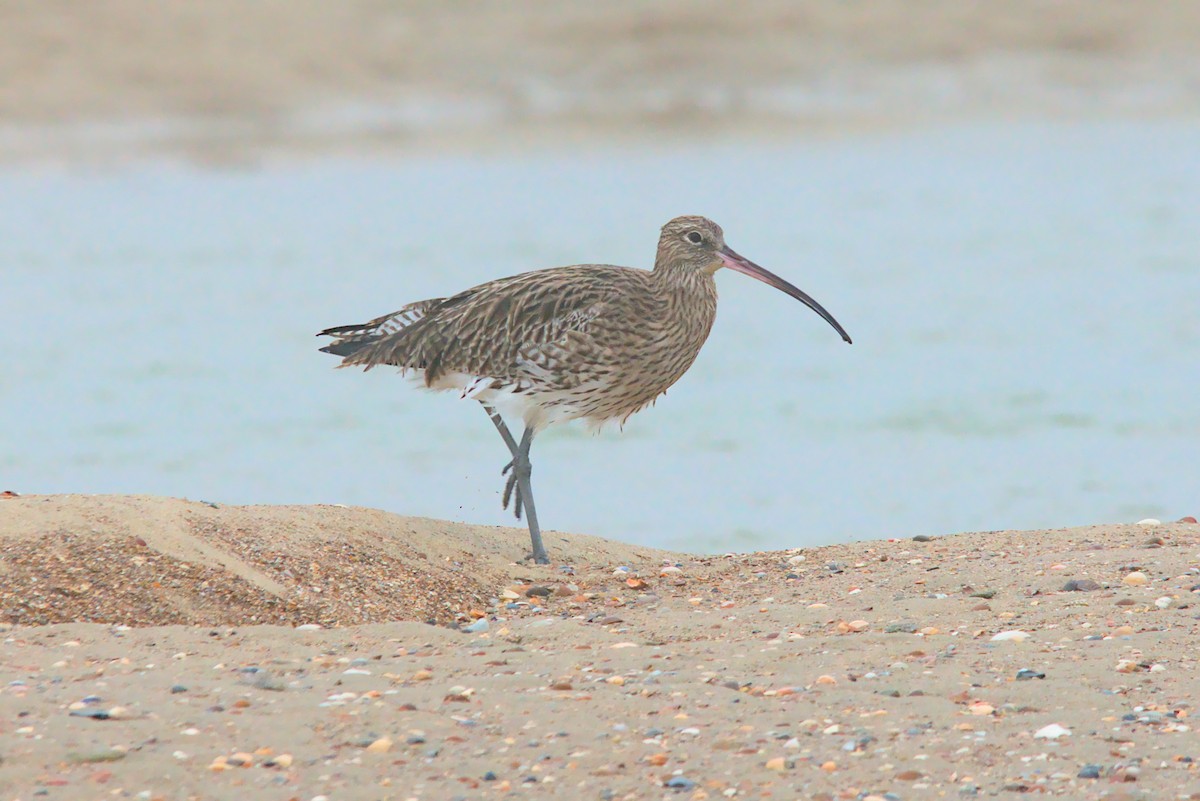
691, 242
695, 243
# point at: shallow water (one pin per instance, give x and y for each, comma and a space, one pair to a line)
1023, 300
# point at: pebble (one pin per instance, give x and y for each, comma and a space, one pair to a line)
1149, 521
89, 757
279, 761
1081, 585
1089, 772
309, 627
459, 694
1025, 674
1135, 579
1014, 635
1164, 602
266, 680
1128, 773
679, 783
900, 628
380, 746
777, 763
178, 688
478, 626
1052, 732
95, 714
115, 713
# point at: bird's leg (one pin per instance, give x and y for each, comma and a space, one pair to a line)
522, 469
518, 487
513, 448
509, 439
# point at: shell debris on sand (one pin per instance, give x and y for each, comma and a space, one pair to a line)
754, 689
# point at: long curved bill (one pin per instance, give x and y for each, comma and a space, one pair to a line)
743, 265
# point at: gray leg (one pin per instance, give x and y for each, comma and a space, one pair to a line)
522, 469
514, 449
501, 427
519, 488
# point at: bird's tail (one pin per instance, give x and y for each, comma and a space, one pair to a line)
350, 341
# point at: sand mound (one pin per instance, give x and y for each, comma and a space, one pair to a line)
145, 561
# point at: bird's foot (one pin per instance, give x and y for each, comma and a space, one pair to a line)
538, 558
512, 488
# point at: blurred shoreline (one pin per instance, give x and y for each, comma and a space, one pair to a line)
226, 82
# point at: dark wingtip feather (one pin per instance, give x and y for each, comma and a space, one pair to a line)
347, 347
342, 329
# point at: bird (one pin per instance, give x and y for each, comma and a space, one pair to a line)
592, 342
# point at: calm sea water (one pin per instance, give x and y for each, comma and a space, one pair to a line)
1023, 298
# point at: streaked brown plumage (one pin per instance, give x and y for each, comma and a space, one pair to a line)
595, 342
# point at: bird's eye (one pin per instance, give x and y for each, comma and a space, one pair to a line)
694, 237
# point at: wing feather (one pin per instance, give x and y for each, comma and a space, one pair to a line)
512, 329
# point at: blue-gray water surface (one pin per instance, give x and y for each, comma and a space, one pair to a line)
1023, 300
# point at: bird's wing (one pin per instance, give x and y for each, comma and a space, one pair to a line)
507, 328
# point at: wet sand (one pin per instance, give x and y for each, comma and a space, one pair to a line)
233, 82
280, 652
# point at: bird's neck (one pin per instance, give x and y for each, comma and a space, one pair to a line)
670, 280
689, 295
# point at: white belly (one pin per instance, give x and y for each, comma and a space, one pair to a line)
537, 408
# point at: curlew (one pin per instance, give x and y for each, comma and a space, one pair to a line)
593, 341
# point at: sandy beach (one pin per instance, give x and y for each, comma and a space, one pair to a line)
234, 83
160, 649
